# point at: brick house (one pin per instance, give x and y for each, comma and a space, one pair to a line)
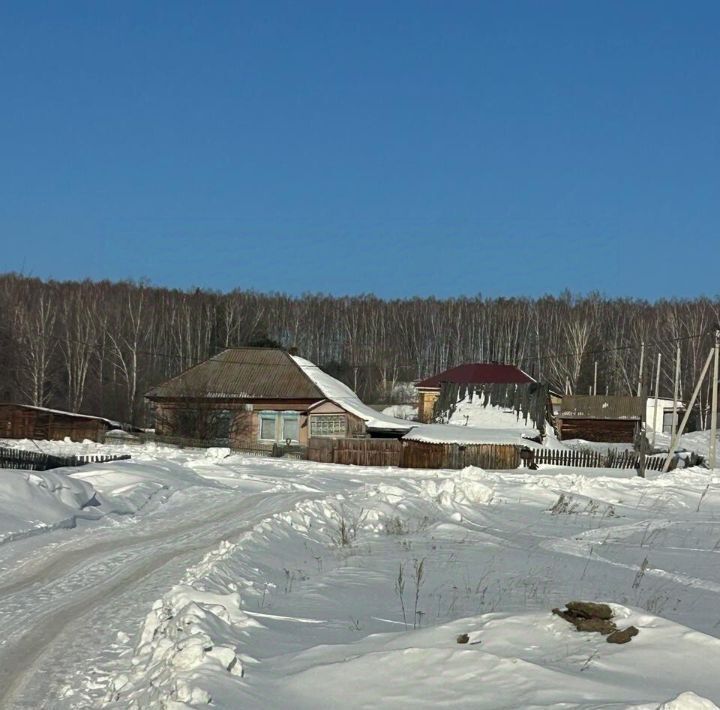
258, 397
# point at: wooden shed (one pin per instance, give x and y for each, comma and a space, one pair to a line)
24, 421
616, 419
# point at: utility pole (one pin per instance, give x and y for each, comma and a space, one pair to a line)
713, 413
676, 391
640, 375
691, 404
595, 380
657, 394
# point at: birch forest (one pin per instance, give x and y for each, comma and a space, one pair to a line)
96, 347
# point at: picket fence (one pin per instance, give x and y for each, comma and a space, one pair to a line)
37, 461
595, 459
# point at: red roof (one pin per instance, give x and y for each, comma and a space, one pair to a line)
479, 373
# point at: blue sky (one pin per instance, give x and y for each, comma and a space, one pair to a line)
397, 147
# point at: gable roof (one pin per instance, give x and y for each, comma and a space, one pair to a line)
478, 373
241, 373
602, 407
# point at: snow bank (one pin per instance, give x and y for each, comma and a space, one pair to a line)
511, 661
189, 637
33, 502
401, 411
472, 413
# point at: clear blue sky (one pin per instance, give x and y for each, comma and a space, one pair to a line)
396, 147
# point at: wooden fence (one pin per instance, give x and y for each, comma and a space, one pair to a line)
412, 454
37, 461
419, 454
356, 452
595, 459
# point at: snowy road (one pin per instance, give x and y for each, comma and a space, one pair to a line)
66, 604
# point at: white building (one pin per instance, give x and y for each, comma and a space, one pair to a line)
663, 421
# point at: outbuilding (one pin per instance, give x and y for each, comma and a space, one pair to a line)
25, 421
611, 418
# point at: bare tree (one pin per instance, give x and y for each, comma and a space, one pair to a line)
34, 325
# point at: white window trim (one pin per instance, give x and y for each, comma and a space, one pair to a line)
278, 417
290, 414
268, 414
320, 415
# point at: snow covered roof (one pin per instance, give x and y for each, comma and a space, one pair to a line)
478, 373
449, 434
110, 422
344, 397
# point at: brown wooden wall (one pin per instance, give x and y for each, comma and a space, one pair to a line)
17, 422
611, 430
426, 404
418, 454
412, 454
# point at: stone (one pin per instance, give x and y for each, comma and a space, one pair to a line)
623, 636
590, 610
601, 626
463, 638
588, 616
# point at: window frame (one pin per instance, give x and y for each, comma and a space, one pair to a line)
278, 417
268, 415
289, 415
316, 419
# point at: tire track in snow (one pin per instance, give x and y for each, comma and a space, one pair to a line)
25, 679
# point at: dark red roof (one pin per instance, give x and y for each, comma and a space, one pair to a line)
479, 373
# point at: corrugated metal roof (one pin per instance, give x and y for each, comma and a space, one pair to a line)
479, 373
242, 373
602, 407
62, 413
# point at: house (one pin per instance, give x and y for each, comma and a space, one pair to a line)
471, 374
258, 397
616, 419
24, 421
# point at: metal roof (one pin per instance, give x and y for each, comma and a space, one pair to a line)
478, 373
602, 407
62, 413
241, 373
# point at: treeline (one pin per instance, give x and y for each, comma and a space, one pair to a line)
98, 346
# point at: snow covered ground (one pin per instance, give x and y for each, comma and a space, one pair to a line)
208, 577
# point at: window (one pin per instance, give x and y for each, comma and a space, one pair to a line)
668, 420
328, 425
279, 426
222, 421
268, 421
290, 426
